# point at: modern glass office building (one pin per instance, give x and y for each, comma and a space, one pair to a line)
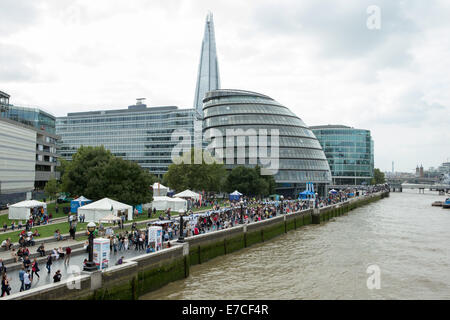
238, 114
139, 133
42, 124
31, 116
349, 152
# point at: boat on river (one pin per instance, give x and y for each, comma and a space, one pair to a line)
437, 203
446, 204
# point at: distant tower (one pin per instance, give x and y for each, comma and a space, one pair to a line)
421, 171
417, 171
208, 70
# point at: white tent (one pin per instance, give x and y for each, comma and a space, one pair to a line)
178, 204
159, 190
110, 218
188, 194
164, 203
22, 210
104, 207
81, 199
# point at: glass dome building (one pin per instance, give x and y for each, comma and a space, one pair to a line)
237, 124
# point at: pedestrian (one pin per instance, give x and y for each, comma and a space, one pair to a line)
49, 263
67, 257
26, 263
21, 273
2, 267
35, 268
27, 280
5, 285
57, 276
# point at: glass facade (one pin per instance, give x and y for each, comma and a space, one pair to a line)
138, 133
300, 156
349, 152
34, 117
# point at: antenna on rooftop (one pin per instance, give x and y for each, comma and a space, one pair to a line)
139, 101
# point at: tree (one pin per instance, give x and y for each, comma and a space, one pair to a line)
378, 177
52, 188
95, 173
250, 182
188, 175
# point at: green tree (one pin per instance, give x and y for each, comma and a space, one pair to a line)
209, 175
250, 182
51, 188
378, 177
95, 173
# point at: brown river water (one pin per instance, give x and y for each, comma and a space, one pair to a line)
402, 236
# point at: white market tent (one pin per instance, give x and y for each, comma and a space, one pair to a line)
164, 203
97, 210
110, 218
159, 190
22, 210
188, 194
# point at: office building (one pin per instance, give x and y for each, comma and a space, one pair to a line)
139, 133
27, 150
349, 152
300, 158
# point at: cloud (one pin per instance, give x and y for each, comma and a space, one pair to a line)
317, 57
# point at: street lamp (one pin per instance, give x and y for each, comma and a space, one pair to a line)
282, 207
90, 265
181, 237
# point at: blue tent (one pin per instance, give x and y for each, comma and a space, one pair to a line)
306, 195
79, 202
235, 196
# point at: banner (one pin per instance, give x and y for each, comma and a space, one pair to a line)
101, 253
155, 237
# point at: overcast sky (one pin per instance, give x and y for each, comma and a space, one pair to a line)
317, 57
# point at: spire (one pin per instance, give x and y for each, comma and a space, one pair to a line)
208, 70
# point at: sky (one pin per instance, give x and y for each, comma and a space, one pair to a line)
329, 61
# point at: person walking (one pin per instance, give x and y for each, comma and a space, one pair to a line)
49, 263
35, 268
27, 280
21, 278
67, 257
5, 285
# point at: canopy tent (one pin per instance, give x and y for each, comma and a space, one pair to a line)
97, 210
164, 203
188, 194
236, 195
306, 195
159, 190
22, 210
110, 218
78, 202
332, 191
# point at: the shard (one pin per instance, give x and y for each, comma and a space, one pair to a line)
208, 70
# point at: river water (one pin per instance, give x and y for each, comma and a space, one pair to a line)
403, 237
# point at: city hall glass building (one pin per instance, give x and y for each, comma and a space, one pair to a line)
349, 152
300, 156
139, 133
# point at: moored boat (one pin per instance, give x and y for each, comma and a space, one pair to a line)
437, 204
446, 204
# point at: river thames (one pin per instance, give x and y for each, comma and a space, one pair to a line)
402, 236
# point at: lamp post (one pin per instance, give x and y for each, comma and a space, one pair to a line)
242, 211
282, 207
90, 265
181, 237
